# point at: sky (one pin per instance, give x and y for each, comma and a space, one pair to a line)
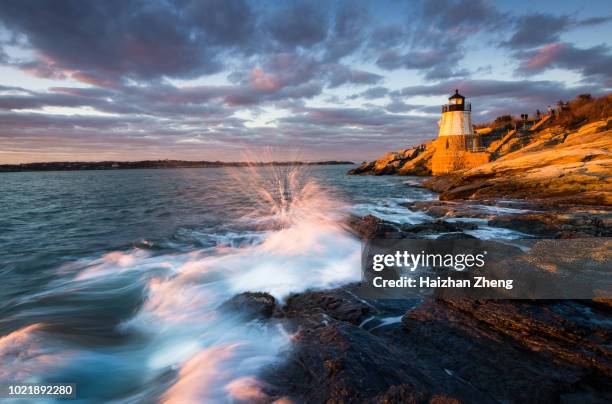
315, 80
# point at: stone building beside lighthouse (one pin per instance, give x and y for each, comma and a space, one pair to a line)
457, 146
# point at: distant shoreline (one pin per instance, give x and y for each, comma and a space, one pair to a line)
157, 164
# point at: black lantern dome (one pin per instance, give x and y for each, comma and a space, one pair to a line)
456, 98
456, 102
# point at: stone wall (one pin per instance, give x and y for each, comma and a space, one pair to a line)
451, 155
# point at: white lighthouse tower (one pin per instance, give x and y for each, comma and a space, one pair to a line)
457, 146
456, 117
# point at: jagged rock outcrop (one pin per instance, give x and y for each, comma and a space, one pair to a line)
557, 224
542, 220
412, 161
371, 227
476, 351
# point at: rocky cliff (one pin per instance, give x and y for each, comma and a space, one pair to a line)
554, 166
412, 161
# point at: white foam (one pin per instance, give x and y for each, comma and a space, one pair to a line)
390, 209
219, 356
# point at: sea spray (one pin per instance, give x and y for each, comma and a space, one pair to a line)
308, 250
176, 345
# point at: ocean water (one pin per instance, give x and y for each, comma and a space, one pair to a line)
112, 279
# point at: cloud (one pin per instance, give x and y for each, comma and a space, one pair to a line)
303, 25
348, 32
371, 93
435, 40
340, 74
398, 106
537, 29
594, 21
103, 43
544, 89
147, 71
592, 63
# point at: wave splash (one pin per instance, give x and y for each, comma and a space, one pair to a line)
211, 355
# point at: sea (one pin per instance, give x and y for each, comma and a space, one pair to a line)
112, 280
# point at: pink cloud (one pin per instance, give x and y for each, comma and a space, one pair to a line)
544, 56
262, 81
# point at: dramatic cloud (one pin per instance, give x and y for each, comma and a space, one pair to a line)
372, 93
302, 25
132, 79
536, 29
593, 63
104, 42
436, 37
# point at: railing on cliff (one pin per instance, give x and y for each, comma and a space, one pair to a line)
477, 149
541, 122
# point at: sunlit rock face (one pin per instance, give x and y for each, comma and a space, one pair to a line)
557, 166
412, 161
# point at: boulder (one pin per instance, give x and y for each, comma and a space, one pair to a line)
370, 227
339, 304
251, 305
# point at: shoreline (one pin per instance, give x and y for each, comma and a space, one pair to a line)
152, 165
422, 345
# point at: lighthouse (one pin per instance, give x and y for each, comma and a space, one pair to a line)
456, 117
457, 146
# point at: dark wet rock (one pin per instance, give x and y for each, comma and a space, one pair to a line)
339, 304
402, 393
535, 219
558, 224
451, 209
502, 347
251, 305
456, 236
449, 351
370, 227
439, 226
337, 361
